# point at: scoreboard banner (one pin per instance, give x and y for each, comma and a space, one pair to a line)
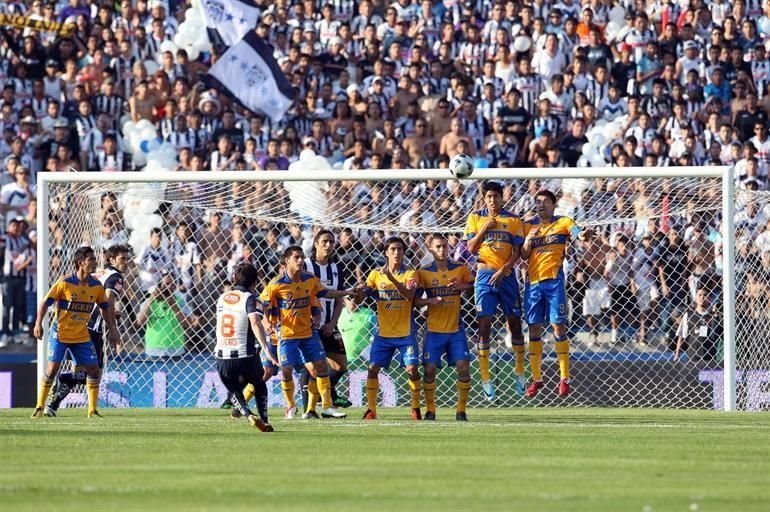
62, 29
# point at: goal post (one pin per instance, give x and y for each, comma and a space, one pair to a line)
73, 199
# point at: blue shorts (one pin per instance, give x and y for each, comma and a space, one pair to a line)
506, 294
266, 362
297, 352
546, 302
383, 349
454, 345
83, 354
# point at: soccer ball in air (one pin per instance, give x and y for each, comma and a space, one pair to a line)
461, 166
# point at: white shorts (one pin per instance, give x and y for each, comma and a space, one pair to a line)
597, 297
645, 296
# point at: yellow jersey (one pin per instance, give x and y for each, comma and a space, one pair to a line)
394, 312
444, 317
548, 247
291, 304
73, 303
499, 241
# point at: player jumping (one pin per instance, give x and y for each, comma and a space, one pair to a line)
496, 235
545, 295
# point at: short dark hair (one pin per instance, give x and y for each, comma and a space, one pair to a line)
82, 254
245, 274
115, 251
289, 251
492, 186
546, 193
394, 240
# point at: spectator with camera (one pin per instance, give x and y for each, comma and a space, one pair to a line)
165, 319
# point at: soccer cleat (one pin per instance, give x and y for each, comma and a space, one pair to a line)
343, 403
310, 415
94, 414
520, 384
564, 388
290, 413
332, 412
235, 414
534, 388
416, 414
49, 412
461, 416
227, 404
370, 415
489, 390
38, 413
430, 416
257, 423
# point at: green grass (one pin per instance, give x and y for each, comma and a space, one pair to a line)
510, 459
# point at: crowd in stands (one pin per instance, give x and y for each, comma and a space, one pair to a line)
404, 85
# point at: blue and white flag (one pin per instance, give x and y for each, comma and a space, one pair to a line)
249, 73
227, 21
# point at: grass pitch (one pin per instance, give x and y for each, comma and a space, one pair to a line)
511, 459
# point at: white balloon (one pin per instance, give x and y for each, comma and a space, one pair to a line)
589, 150
522, 44
151, 66
599, 139
600, 123
153, 165
144, 123
618, 15
154, 221
306, 155
192, 52
583, 162
598, 161
140, 159
168, 46
180, 40
194, 17
203, 45
127, 128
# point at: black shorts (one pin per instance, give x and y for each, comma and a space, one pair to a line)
622, 301
97, 339
236, 373
333, 344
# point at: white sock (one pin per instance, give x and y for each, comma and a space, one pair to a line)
614, 335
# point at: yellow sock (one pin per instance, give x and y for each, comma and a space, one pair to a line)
430, 395
535, 358
562, 355
325, 390
414, 387
312, 395
463, 389
46, 383
372, 388
249, 392
520, 352
484, 364
287, 386
92, 389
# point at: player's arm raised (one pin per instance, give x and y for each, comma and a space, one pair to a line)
408, 290
477, 237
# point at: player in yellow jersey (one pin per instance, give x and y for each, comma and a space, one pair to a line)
495, 235
74, 299
545, 295
291, 303
394, 287
443, 283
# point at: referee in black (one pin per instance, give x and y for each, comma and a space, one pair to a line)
14, 281
323, 264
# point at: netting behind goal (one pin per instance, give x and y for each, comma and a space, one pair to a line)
632, 292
